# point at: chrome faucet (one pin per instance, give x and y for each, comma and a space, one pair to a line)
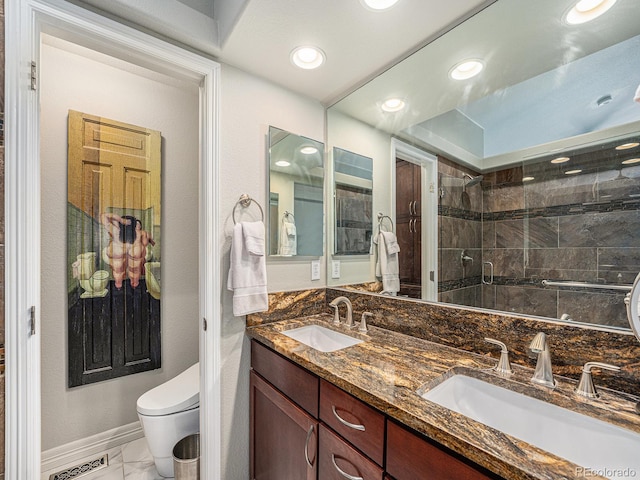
543, 374
336, 317
586, 388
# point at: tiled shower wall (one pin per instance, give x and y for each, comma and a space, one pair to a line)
562, 228
459, 229
2, 239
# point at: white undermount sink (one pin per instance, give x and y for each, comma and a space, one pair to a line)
321, 338
581, 439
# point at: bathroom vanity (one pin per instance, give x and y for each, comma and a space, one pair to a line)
357, 412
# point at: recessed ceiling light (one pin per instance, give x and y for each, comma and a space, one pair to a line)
627, 146
378, 5
572, 172
307, 57
630, 161
393, 105
560, 160
587, 10
467, 69
308, 150
282, 163
527, 179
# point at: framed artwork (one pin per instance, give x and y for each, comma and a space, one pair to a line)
113, 248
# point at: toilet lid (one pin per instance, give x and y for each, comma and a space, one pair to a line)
180, 393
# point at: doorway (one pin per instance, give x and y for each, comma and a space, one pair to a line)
24, 242
416, 209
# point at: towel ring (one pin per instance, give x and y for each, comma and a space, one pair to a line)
381, 217
245, 201
288, 214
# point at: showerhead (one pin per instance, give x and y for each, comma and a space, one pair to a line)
472, 180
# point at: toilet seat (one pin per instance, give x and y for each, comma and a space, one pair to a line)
175, 395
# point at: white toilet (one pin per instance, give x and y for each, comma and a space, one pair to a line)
168, 413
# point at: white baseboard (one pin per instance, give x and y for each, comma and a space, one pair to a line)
73, 452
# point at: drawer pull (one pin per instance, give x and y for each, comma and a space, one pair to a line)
344, 422
306, 447
342, 472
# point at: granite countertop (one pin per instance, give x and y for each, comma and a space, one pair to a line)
389, 368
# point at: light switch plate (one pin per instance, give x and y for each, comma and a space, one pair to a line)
315, 270
335, 268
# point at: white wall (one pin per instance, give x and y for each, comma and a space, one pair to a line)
249, 106
349, 134
72, 81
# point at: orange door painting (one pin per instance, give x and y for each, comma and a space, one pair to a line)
114, 254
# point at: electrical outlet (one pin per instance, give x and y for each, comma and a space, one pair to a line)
315, 270
335, 268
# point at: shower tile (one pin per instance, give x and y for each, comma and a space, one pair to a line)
562, 258
618, 265
552, 273
503, 198
510, 233
459, 233
488, 234
468, 296
543, 232
507, 262
559, 191
488, 296
540, 301
510, 298
450, 265
598, 308
610, 229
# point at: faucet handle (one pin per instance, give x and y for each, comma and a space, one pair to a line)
586, 388
503, 366
363, 322
336, 314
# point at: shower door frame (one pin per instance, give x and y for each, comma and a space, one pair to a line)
26, 20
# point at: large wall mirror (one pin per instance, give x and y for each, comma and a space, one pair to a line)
533, 113
296, 178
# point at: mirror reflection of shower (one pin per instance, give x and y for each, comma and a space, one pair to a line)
468, 181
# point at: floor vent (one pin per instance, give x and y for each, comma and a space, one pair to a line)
82, 469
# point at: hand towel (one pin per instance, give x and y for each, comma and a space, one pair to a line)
388, 266
636, 97
248, 270
287, 240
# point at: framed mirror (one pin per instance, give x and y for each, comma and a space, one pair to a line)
353, 202
296, 195
538, 156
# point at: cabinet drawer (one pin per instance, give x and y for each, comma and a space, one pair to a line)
295, 382
337, 459
353, 420
410, 456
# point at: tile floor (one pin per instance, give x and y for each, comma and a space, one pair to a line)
131, 461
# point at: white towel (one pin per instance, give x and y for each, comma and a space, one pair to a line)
248, 271
388, 266
287, 241
636, 97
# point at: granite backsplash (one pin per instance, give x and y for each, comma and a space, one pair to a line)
465, 328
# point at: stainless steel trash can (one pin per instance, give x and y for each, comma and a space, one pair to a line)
186, 458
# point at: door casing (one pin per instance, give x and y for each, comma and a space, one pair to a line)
26, 20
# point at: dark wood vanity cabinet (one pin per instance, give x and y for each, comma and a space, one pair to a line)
303, 427
411, 456
284, 438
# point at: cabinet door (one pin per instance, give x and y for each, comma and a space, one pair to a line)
339, 461
410, 456
284, 438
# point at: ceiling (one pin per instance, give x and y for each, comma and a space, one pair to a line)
257, 36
